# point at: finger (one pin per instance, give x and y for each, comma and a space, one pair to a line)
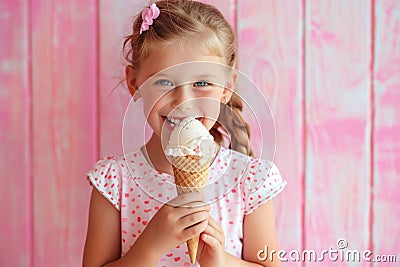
183, 212
189, 199
193, 230
200, 248
214, 224
193, 218
210, 231
217, 229
211, 241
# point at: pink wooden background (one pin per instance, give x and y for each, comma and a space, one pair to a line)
330, 69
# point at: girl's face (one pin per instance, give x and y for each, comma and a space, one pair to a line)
175, 84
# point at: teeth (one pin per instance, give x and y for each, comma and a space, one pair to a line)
173, 121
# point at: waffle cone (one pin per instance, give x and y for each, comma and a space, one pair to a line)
190, 176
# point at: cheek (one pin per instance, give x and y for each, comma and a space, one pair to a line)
151, 104
147, 109
211, 109
211, 103
152, 116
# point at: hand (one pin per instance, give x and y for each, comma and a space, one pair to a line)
211, 251
175, 222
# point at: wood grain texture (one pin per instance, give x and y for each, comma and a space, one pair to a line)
15, 248
61, 107
115, 19
64, 138
386, 167
337, 125
270, 50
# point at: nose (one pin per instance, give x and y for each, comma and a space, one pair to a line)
182, 97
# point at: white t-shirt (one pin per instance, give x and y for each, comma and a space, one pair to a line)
237, 185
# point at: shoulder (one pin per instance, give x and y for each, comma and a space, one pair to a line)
115, 165
246, 163
108, 167
107, 176
229, 156
260, 179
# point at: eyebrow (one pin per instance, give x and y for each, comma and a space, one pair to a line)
195, 77
202, 76
151, 75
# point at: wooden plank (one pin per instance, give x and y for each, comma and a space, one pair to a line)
337, 119
116, 18
270, 50
386, 167
64, 134
15, 91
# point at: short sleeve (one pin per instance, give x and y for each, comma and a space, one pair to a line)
105, 176
263, 182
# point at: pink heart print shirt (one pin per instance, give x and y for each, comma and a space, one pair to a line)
237, 185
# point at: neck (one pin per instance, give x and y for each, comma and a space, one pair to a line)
154, 154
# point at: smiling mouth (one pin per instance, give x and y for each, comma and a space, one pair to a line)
172, 122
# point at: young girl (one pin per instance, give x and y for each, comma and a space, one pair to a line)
129, 222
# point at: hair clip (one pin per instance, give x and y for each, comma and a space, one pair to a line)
148, 14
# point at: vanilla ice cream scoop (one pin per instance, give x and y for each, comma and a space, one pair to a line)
191, 137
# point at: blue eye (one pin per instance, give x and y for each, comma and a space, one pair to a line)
202, 84
164, 82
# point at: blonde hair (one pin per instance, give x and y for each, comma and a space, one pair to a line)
183, 22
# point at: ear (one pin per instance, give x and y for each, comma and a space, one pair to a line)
230, 87
130, 75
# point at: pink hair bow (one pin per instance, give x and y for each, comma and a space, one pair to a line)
148, 14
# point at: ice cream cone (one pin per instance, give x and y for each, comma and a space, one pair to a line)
190, 176
191, 149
